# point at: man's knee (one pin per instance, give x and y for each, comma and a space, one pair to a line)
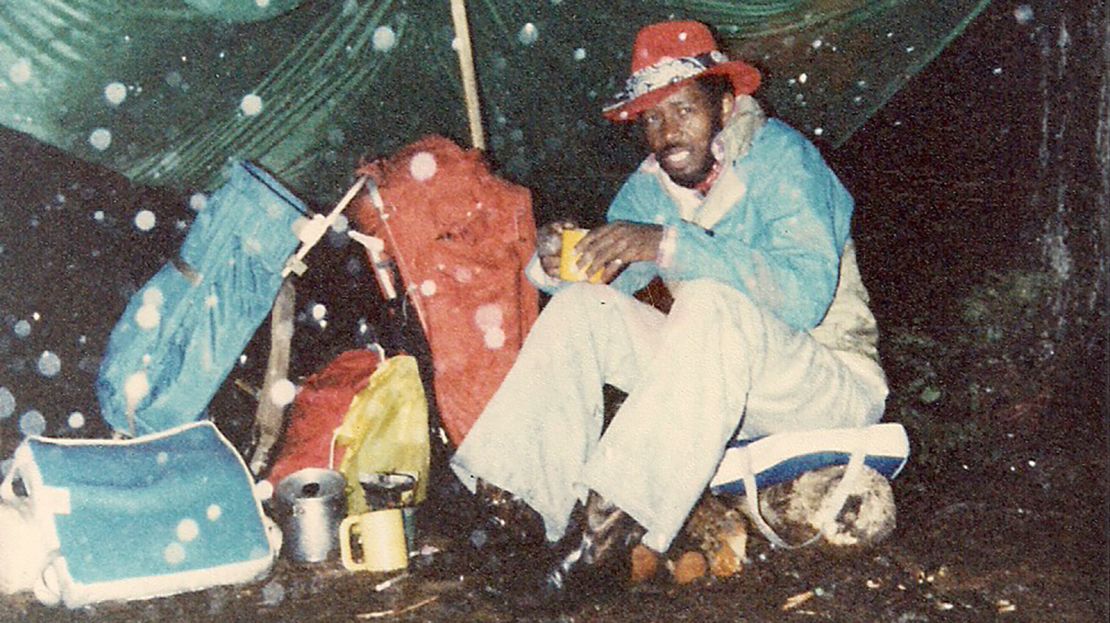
708, 294
578, 297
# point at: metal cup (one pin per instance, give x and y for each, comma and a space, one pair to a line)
310, 506
384, 490
387, 489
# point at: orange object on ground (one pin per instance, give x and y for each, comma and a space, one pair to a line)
690, 566
644, 564
460, 238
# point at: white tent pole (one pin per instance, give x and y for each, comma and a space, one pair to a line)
469, 79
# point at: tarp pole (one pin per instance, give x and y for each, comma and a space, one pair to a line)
469, 78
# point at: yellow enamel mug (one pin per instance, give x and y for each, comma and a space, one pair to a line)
381, 537
568, 269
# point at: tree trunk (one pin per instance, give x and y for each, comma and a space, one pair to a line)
1073, 175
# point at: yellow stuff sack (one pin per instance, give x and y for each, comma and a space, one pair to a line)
386, 430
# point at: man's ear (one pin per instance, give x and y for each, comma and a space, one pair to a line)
728, 103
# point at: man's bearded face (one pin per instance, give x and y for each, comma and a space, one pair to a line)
679, 131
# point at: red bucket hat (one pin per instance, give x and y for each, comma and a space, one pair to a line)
666, 56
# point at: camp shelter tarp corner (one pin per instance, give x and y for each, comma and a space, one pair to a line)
167, 92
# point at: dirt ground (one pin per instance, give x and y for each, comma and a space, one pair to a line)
1016, 533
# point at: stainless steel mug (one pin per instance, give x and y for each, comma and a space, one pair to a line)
310, 506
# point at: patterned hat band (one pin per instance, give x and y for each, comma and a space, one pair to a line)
664, 73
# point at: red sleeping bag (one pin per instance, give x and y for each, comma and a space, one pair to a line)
460, 238
318, 410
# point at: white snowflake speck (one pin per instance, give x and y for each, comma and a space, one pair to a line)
1023, 13
49, 364
135, 388
162, 458
20, 71
528, 34
494, 338
423, 166
428, 288
283, 392
98, 215
802, 77
22, 328
198, 201
341, 224
213, 513
148, 317
32, 423
262, 3
153, 296
384, 39
580, 54
7, 403
145, 220
100, 139
817, 43
263, 490
174, 554
319, 311
488, 316
211, 301
115, 93
251, 104
76, 420
187, 530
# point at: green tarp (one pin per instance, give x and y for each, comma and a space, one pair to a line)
168, 92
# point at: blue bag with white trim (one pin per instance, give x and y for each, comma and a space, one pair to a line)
145, 517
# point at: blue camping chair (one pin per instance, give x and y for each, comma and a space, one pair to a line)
182, 332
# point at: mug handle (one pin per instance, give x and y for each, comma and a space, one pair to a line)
345, 545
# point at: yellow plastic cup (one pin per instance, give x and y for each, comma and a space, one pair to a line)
568, 258
381, 535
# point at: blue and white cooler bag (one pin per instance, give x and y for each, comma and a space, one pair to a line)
130, 519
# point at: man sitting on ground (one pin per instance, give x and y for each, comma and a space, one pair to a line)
769, 329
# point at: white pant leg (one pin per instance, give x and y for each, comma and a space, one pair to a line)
543, 423
723, 367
